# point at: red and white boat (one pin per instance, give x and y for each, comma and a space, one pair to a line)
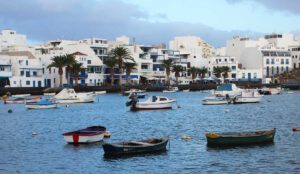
152, 103
88, 135
21, 100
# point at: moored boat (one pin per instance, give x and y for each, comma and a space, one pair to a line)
152, 103
41, 104
171, 90
88, 135
136, 147
247, 97
68, 96
229, 89
49, 93
21, 95
214, 100
240, 138
126, 93
21, 100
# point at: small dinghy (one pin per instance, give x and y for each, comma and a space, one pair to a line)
88, 135
41, 104
214, 100
127, 93
135, 147
138, 95
21, 100
171, 90
240, 138
152, 103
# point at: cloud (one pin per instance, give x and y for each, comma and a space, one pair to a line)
291, 6
43, 20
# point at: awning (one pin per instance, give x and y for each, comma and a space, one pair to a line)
150, 77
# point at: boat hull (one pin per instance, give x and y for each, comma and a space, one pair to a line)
121, 150
36, 106
154, 106
84, 139
259, 138
240, 100
206, 102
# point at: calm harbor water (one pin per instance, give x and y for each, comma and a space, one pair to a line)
47, 152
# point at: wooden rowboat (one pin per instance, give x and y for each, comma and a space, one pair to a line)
88, 135
135, 147
240, 138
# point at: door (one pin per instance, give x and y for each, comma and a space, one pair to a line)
39, 84
48, 82
33, 83
249, 76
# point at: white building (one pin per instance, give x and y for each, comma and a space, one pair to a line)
25, 71
82, 51
295, 53
222, 61
11, 41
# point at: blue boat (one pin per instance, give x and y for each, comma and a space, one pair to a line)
41, 104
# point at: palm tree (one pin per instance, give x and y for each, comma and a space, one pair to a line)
69, 62
111, 62
167, 64
225, 71
121, 54
58, 62
217, 71
76, 69
193, 71
202, 72
177, 69
129, 66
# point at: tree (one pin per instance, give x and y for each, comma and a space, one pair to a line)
69, 62
58, 62
76, 69
121, 54
111, 63
217, 71
177, 69
193, 71
202, 72
167, 64
129, 66
225, 71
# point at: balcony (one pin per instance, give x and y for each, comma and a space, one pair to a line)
5, 74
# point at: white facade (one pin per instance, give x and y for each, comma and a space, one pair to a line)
222, 61
295, 53
11, 41
26, 69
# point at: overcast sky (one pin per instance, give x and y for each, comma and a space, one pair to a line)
149, 21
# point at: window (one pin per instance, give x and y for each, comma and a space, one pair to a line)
26, 62
287, 61
49, 70
34, 73
27, 73
43, 70
267, 61
2, 69
287, 69
272, 61
27, 82
54, 70
277, 70
195, 57
255, 75
89, 61
282, 69
268, 71
233, 67
22, 73
15, 82
272, 70
144, 67
282, 61
243, 76
296, 56
54, 80
232, 60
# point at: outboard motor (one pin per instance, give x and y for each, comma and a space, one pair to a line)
133, 100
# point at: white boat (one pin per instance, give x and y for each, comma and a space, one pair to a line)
21, 95
152, 103
186, 90
170, 90
88, 135
100, 92
275, 91
68, 96
41, 104
214, 100
227, 89
49, 93
126, 93
247, 97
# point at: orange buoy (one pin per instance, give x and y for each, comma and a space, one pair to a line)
107, 134
296, 129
